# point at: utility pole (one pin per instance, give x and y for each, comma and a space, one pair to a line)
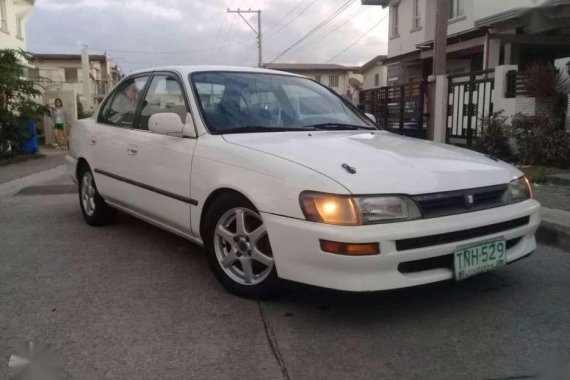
257, 32
438, 92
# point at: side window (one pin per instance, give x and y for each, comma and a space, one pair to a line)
120, 109
164, 95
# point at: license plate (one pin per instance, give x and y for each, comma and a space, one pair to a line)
480, 257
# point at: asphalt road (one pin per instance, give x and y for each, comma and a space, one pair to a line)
130, 301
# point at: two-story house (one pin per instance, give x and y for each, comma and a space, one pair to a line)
482, 34
60, 72
335, 76
13, 17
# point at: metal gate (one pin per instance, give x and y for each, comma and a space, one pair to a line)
399, 109
470, 101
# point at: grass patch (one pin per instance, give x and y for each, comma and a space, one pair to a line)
19, 158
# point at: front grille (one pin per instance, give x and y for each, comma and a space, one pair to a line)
451, 237
457, 202
445, 261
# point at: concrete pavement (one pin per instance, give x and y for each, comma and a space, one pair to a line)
130, 301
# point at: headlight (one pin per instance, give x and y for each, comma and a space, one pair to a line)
352, 211
519, 190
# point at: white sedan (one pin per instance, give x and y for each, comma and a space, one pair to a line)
278, 177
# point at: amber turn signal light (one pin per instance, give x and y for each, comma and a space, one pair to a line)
350, 249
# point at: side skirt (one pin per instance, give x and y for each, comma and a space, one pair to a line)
163, 226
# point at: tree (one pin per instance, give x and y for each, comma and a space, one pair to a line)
18, 100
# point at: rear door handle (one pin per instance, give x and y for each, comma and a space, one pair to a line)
92, 140
132, 150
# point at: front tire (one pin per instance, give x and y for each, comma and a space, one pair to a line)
238, 249
95, 210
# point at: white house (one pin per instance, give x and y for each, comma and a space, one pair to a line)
482, 34
332, 75
13, 17
374, 73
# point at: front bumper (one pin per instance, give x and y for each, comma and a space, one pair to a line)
298, 256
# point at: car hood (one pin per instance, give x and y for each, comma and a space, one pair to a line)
384, 162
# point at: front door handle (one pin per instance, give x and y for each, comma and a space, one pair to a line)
92, 140
132, 150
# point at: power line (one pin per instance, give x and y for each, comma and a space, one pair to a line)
343, 7
294, 18
284, 17
342, 23
357, 40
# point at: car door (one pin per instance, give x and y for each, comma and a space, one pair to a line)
159, 165
109, 139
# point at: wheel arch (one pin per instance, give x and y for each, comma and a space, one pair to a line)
81, 163
211, 199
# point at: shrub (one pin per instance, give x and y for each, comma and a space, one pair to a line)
541, 141
494, 138
17, 101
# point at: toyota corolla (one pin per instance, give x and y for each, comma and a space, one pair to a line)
279, 177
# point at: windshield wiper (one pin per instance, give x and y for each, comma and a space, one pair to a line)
260, 128
339, 127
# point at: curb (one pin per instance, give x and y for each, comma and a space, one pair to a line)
18, 184
553, 235
557, 180
554, 229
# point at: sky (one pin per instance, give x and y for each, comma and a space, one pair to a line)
145, 33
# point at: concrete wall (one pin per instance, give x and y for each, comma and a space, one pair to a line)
69, 100
486, 8
10, 39
54, 72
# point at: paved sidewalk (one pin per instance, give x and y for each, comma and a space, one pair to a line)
53, 158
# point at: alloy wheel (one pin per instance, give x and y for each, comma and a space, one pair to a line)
88, 193
242, 246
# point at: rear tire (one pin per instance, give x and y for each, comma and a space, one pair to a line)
95, 210
238, 249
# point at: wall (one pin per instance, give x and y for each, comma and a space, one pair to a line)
486, 8
408, 39
474, 10
10, 40
54, 71
69, 99
368, 81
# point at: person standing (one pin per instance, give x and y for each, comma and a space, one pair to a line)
59, 121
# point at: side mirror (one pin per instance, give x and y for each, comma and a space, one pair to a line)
166, 123
371, 117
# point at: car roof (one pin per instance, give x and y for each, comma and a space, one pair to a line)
185, 70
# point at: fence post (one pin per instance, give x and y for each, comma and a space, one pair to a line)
470, 109
402, 105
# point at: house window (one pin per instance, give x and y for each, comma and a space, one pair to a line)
333, 80
318, 78
456, 8
70, 75
416, 22
19, 27
395, 30
376, 80
3, 16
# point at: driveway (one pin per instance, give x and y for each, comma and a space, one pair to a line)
130, 301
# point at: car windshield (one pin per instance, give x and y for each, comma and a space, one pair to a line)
236, 102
